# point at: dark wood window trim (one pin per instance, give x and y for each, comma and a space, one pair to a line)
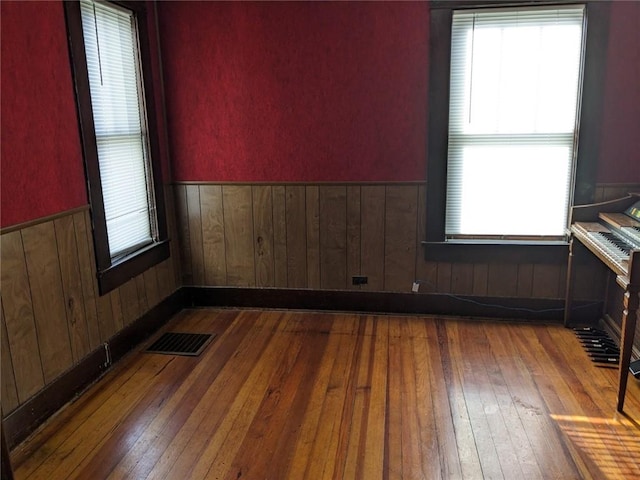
435, 247
113, 274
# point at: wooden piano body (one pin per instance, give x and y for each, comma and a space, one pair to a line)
612, 237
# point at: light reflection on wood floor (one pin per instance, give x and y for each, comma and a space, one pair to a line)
300, 395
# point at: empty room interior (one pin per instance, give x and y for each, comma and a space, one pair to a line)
307, 240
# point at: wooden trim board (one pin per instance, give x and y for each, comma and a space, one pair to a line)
520, 309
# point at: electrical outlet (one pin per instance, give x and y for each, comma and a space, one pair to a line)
359, 280
415, 287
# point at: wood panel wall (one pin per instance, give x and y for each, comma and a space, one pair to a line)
52, 315
320, 235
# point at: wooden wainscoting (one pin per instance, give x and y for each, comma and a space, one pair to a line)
299, 236
611, 191
320, 235
52, 314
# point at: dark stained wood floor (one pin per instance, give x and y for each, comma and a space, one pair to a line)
300, 395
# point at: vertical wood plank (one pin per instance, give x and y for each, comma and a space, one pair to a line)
19, 317
562, 281
443, 279
263, 235
107, 321
428, 277
480, 278
116, 308
143, 301
333, 237
502, 279
401, 223
372, 207
353, 234
104, 310
238, 235
128, 295
184, 237
280, 236
423, 267
72, 288
296, 236
152, 290
462, 278
313, 236
9, 397
195, 234
174, 263
87, 280
525, 280
213, 231
43, 267
165, 278
546, 279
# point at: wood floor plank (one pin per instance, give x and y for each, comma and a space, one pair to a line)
460, 414
193, 436
145, 453
311, 419
323, 455
354, 455
434, 364
272, 429
285, 394
375, 440
247, 409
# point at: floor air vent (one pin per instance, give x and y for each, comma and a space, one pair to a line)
172, 343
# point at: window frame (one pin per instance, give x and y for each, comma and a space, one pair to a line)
589, 126
113, 273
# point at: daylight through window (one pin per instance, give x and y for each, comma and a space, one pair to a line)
514, 103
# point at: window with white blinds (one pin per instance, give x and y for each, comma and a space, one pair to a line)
111, 46
513, 110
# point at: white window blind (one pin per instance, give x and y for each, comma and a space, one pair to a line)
515, 82
111, 46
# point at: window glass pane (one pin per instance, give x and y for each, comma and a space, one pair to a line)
112, 63
515, 77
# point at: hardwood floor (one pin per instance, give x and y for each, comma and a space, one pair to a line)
302, 395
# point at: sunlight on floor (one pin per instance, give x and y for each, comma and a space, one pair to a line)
612, 444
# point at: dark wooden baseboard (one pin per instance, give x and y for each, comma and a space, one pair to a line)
30, 415
521, 309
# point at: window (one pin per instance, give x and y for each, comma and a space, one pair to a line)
515, 77
513, 124
108, 51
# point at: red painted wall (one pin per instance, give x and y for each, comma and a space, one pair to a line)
334, 91
42, 170
297, 91
620, 141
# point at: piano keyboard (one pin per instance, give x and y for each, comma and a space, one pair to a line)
633, 234
614, 247
611, 246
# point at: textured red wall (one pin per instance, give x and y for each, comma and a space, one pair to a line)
620, 141
42, 170
298, 91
